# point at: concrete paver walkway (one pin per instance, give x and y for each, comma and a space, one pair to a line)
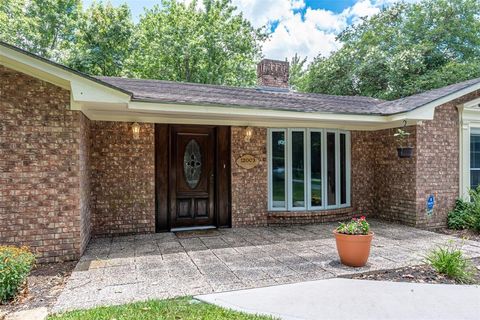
133, 268
338, 299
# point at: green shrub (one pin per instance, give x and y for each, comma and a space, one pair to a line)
466, 214
15, 265
449, 260
461, 217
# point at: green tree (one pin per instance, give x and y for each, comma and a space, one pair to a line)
11, 24
55, 23
43, 27
103, 40
403, 50
297, 71
212, 44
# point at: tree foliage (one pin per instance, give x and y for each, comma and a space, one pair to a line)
184, 43
206, 42
43, 27
103, 40
403, 50
297, 71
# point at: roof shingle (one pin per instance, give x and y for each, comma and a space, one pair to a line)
260, 98
264, 98
417, 100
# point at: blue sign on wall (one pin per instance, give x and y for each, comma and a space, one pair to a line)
430, 204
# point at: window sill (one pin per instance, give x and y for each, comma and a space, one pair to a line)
319, 212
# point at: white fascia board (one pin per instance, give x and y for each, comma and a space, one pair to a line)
423, 113
82, 88
276, 118
426, 112
237, 112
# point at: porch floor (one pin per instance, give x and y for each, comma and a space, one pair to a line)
158, 266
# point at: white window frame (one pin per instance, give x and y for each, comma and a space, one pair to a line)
307, 164
290, 173
476, 132
308, 168
270, 178
337, 167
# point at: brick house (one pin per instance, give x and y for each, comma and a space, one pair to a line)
84, 157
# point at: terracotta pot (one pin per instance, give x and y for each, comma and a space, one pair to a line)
353, 249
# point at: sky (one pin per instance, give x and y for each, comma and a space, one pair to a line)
306, 27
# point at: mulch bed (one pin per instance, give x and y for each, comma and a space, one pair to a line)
419, 274
45, 284
464, 234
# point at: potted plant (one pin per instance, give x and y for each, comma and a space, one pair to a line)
353, 242
403, 149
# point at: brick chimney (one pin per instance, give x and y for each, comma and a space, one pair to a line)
272, 73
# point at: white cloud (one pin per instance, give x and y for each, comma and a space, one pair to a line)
361, 9
303, 36
309, 34
325, 20
298, 4
262, 12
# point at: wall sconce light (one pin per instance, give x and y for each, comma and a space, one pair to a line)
136, 130
248, 134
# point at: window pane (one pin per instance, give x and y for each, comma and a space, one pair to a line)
331, 185
475, 151
298, 170
474, 178
316, 168
278, 169
343, 169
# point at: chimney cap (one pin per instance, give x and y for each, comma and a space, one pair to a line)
273, 73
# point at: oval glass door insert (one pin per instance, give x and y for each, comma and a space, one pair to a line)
192, 163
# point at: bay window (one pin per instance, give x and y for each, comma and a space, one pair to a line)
308, 169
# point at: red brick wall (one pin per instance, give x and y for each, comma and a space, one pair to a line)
394, 178
249, 187
363, 172
401, 186
123, 179
40, 164
438, 163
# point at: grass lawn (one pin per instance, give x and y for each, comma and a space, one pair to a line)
173, 309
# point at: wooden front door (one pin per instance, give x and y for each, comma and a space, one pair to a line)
192, 176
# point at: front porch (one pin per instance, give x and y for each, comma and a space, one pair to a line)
132, 268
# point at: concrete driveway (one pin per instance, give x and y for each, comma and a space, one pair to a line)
346, 299
132, 268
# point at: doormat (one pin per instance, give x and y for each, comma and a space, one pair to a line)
197, 233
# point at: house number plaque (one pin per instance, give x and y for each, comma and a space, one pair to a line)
247, 161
